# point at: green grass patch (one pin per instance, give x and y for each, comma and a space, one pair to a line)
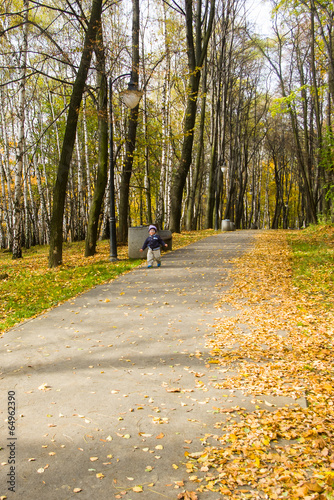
313, 263
28, 287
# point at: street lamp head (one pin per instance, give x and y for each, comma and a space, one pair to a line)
131, 96
223, 166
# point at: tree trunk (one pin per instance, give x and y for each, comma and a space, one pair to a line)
131, 136
102, 171
17, 224
191, 202
56, 239
196, 54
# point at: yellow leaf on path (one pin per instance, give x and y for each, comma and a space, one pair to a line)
107, 300
188, 495
93, 459
44, 387
268, 404
314, 486
137, 489
175, 466
77, 490
99, 475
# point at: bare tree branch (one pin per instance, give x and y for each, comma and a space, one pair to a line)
178, 8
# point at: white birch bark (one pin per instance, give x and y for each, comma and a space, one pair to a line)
6, 179
17, 224
89, 184
80, 198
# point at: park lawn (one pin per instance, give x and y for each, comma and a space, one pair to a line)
313, 264
28, 287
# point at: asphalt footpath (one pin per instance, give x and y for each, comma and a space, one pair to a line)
111, 389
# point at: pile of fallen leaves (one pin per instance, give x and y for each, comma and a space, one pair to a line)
278, 344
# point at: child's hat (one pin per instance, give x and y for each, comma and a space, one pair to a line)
152, 227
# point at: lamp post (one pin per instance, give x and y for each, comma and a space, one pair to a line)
130, 98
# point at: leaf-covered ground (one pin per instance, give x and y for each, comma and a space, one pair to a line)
285, 348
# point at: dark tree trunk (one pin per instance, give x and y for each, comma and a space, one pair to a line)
194, 187
131, 136
126, 176
196, 50
180, 175
102, 172
56, 233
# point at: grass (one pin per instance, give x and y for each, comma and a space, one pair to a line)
313, 263
28, 287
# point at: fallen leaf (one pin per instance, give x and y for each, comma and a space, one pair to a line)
187, 495
137, 489
44, 387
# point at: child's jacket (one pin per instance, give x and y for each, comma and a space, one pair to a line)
153, 242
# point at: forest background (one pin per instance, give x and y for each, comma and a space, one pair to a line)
232, 124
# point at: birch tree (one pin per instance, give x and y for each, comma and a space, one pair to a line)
17, 223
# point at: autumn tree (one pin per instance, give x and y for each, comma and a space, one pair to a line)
56, 241
198, 30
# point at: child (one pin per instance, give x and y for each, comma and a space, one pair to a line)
153, 243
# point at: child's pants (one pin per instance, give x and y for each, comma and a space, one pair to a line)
153, 255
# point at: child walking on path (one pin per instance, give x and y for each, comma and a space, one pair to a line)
153, 243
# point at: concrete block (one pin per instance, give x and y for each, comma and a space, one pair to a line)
228, 225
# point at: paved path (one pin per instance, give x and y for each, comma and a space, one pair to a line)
99, 378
